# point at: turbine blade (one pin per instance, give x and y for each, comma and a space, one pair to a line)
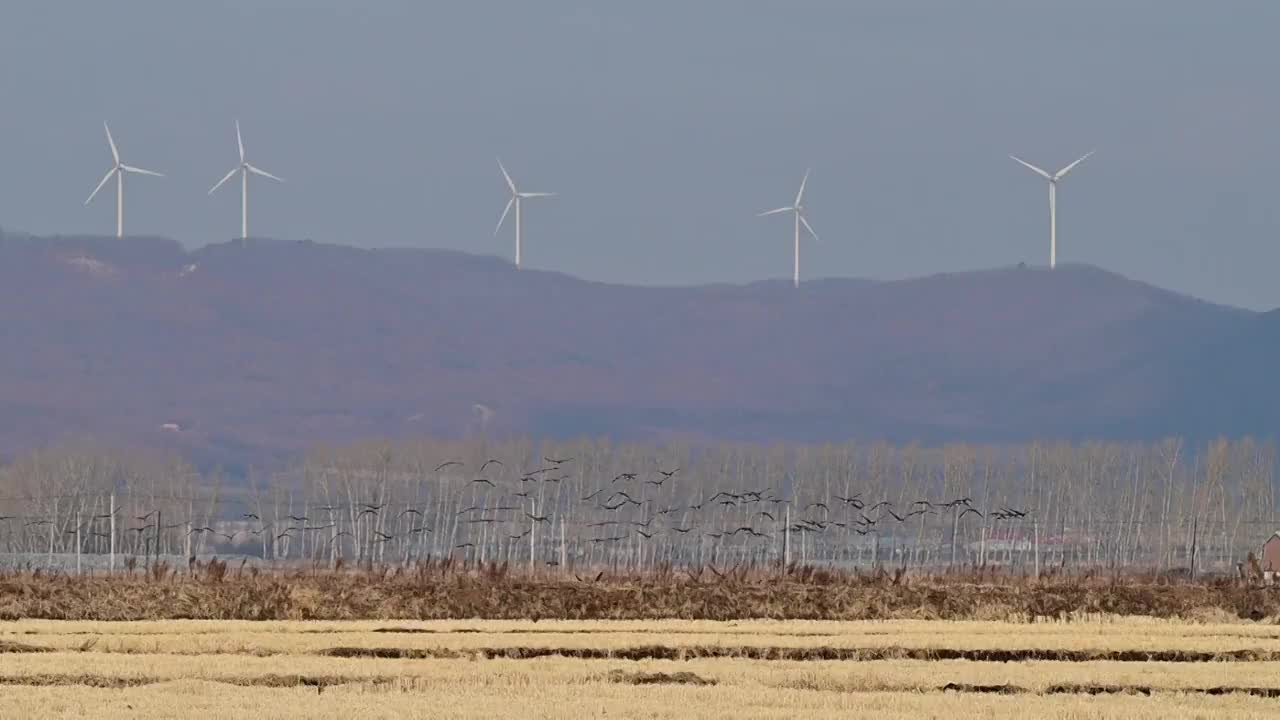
105, 178
808, 227
1063, 172
1033, 168
224, 180
505, 210
775, 212
111, 141
140, 171
511, 184
263, 173
535, 195
239, 141
802, 184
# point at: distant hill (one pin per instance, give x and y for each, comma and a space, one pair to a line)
252, 351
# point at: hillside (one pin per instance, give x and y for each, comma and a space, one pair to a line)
257, 350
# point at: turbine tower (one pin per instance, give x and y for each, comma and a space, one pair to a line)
516, 197
798, 208
244, 168
118, 169
1053, 200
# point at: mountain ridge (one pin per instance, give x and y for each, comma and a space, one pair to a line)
260, 349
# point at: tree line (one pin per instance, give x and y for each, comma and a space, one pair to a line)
596, 503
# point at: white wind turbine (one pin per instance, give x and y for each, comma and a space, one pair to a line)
244, 168
118, 169
1053, 200
516, 197
798, 209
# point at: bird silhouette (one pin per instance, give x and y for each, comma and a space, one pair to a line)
491, 461
450, 463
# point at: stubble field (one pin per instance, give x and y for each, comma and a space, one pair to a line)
1095, 666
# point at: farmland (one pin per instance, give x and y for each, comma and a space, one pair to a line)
477, 668
587, 579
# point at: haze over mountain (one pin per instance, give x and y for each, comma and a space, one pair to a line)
238, 353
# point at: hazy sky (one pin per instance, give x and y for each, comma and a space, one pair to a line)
665, 126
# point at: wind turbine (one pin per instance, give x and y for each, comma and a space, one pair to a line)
244, 168
516, 197
798, 208
1053, 200
118, 169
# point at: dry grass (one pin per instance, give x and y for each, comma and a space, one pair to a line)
239, 669
434, 591
192, 699
413, 676
1091, 635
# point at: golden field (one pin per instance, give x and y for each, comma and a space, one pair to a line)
460, 668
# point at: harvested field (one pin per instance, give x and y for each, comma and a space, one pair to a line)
1089, 667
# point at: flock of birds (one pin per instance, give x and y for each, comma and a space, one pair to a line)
618, 510
495, 512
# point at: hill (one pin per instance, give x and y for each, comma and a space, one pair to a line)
243, 352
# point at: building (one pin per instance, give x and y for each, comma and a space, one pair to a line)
1270, 560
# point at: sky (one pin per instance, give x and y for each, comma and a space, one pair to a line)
665, 126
